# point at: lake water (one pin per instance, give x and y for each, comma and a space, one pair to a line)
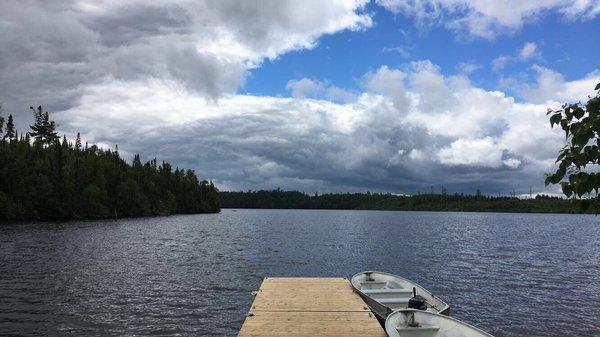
509, 274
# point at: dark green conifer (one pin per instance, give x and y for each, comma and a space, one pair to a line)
1, 121
78, 142
43, 129
10, 133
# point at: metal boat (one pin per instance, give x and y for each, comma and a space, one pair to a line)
385, 293
418, 323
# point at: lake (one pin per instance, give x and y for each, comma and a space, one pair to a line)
509, 274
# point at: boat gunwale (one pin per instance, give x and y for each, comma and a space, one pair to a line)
440, 315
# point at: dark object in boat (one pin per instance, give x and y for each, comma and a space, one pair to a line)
418, 302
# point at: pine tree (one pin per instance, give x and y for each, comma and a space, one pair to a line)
10, 129
50, 127
137, 163
78, 142
43, 129
38, 125
1, 121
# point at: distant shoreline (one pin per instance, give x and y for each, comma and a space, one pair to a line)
279, 199
402, 210
73, 219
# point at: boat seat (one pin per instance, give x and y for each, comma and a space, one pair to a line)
399, 291
370, 284
393, 300
418, 328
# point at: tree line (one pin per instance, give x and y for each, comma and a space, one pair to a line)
44, 177
280, 199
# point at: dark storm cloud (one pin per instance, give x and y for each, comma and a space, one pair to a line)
52, 52
136, 22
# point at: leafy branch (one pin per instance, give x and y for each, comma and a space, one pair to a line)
577, 172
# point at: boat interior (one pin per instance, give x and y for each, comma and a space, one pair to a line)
388, 293
393, 291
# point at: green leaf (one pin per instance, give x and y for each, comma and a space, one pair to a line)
560, 174
567, 189
565, 126
549, 179
555, 119
554, 178
591, 152
593, 106
580, 188
581, 139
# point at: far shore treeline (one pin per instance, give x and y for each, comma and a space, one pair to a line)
280, 199
44, 177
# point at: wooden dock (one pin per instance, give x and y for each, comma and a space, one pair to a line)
290, 306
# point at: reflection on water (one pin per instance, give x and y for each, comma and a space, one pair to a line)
510, 274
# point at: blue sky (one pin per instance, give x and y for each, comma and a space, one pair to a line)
342, 95
567, 46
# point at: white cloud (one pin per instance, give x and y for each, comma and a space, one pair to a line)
529, 135
512, 162
338, 94
401, 50
304, 87
467, 67
416, 154
528, 51
552, 86
482, 152
388, 82
588, 8
500, 62
484, 18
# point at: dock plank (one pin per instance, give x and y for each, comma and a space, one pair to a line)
309, 306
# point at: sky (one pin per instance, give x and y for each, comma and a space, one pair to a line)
319, 96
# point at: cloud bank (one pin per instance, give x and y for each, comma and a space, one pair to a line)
395, 136
160, 79
52, 50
